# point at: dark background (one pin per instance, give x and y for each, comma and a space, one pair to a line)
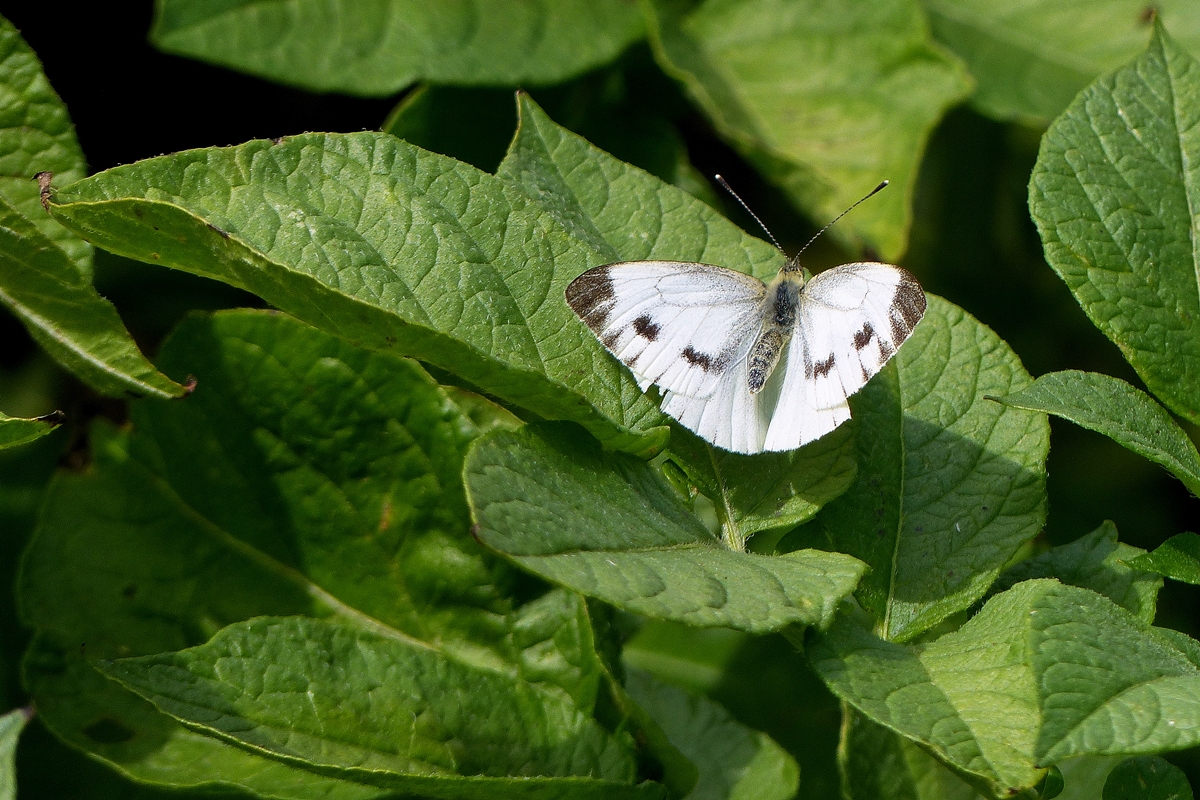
972, 242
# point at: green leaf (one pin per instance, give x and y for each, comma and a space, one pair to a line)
382, 710
877, 764
376, 49
767, 490
36, 135
303, 477
1112, 195
733, 761
608, 525
626, 109
1147, 778
1043, 673
949, 484
826, 99
45, 270
1098, 562
1119, 411
1031, 59
15, 432
403, 250
11, 725
1178, 558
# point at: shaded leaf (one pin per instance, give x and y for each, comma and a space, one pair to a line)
46, 270
1178, 558
378, 48
1121, 412
470, 124
877, 764
304, 477
1112, 194
1096, 561
11, 725
768, 490
381, 709
1031, 59
403, 250
859, 110
626, 109
733, 761
949, 484
1147, 778
15, 431
609, 526
1043, 673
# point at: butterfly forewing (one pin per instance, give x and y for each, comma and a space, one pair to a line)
680, 325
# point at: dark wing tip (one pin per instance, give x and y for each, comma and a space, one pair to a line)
590, 296
908, 306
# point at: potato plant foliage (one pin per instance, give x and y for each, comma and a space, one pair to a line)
314, 488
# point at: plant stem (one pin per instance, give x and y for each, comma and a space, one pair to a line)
731, 535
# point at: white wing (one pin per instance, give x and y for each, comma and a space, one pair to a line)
683, 326
851, 320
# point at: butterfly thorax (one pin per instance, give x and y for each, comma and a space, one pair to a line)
779, 319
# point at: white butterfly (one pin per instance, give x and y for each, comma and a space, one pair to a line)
749, 366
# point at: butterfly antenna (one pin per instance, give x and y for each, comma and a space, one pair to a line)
862, 200
725, 185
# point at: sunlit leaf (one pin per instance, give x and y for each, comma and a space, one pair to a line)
949, 483
402, 250
1113, 194
1178, 558
46, 270
1096, 561
383, 710
15, 432
11, 725
1043, 673
608, 525
1121, 412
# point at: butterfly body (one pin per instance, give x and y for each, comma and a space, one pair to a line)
750, 367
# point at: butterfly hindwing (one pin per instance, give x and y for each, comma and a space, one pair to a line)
680, 325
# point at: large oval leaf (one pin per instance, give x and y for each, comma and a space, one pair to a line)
305, 477
1043, 673
1113, 193
1030, 59
610, 526
382, 710
825, 98
949, 483
377, 47
401, 249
